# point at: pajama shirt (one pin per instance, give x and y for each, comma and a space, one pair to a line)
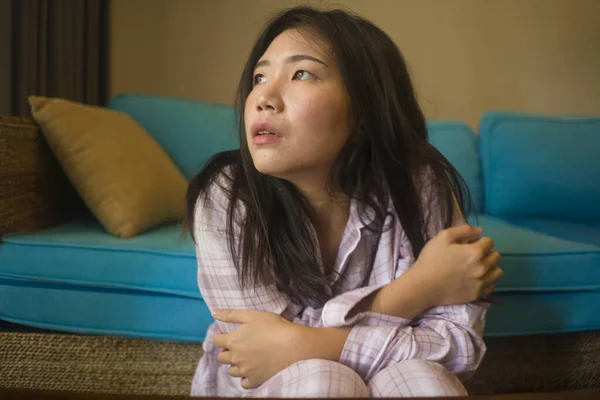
383, 356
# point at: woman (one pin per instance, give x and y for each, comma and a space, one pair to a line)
332, 246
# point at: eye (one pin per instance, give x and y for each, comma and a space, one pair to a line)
303, 75
259, 78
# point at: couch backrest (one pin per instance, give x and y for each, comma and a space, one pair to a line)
541, 166
459, 144
190, 131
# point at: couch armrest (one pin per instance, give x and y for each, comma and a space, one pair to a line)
34, 192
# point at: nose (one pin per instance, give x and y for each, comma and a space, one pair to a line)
269, 99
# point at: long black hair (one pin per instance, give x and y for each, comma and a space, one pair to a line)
386, 157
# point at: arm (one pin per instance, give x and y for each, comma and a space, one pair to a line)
220, 288
450, 335
397, 302
362, 339
369, 341
216, 274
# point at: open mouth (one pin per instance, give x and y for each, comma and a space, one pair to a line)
265, 133
264, 129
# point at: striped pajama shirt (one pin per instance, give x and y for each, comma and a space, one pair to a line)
384, 356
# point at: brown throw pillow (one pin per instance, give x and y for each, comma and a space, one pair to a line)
127, 181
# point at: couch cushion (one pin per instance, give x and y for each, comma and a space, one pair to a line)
543, 313
190, 131
541, 166
574, 231
459, 144
76, 277
537, 262
118, 169
82, 253
84, 309
548, 284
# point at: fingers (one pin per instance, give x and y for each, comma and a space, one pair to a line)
490, 267
484, 245
234, 371
221, 341
230, 315
237, 316
492, 259
487, 290
492, 276
461, 233
224, 357
246, 384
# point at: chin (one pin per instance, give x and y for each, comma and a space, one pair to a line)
277, 168
270, 168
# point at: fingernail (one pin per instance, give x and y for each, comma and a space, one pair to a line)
216, 313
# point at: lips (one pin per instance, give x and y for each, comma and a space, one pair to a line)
264, 133
260, 128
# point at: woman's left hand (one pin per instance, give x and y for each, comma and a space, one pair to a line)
264, 344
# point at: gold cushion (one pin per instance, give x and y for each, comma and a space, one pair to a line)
127, 181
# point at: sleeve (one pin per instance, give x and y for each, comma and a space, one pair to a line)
218, 278
216, 274
451, 335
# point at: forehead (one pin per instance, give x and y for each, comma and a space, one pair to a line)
298, 41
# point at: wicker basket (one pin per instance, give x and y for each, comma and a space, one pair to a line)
34, 192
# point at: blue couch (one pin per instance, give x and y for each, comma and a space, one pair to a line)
535, 182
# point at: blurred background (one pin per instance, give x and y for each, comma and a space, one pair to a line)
466, 56
73, 176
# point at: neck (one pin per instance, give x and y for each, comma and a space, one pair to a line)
329, 209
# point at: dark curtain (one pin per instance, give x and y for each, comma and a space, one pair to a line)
59, 49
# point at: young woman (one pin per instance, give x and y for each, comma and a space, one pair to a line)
332, 247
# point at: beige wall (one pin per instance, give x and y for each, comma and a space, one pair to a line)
5, 48
466, 56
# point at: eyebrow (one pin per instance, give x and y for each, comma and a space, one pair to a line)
291, 59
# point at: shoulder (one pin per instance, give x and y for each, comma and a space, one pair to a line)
218, 189
213, 203
215, 181
438, 201
425, 182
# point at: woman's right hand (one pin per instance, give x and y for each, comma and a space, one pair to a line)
458, 266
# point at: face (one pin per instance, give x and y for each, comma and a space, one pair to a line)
297, 115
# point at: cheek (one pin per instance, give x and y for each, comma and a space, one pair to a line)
248, 109
249, 116
324, 118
